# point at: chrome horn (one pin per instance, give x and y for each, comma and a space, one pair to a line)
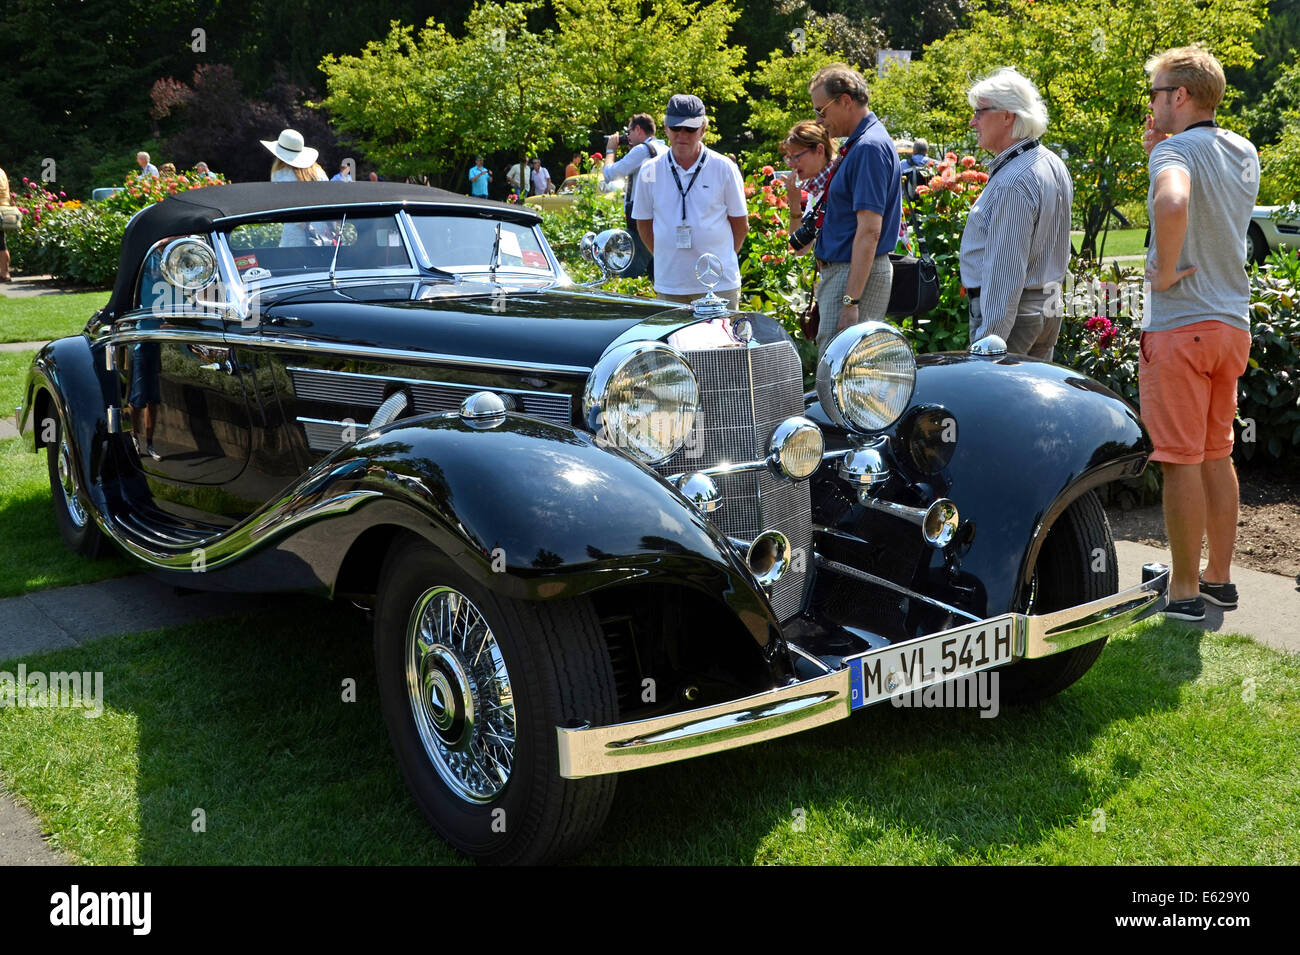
768, 557
938, 522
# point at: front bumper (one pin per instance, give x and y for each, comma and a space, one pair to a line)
597, 750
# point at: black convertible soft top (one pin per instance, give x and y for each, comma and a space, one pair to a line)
199, 211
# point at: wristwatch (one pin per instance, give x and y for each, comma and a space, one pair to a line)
851, 301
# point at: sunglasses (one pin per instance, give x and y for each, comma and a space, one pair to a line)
821, 110
1151, 93
683, 129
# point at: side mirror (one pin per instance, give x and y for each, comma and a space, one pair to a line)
611, 251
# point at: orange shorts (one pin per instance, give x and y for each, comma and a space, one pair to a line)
1187, 385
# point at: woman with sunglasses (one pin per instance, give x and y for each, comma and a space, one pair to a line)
811, 157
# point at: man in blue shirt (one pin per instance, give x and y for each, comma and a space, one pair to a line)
863, 206
479, 177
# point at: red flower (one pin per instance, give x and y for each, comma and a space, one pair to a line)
768, 170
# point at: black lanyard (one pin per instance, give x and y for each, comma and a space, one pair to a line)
1204, 122
672, 165
1023, 148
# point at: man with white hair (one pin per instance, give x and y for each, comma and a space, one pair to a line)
146, 167
1016, 244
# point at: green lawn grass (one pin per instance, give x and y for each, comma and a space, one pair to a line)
1119, 242
1177, 748
34, 555
46, 317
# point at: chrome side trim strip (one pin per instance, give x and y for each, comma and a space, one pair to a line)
187, 335
395, 354
336, 348
596, 750
847, 571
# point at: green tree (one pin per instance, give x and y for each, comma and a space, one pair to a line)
783, 78
1280, 160
629, 56
1088, 63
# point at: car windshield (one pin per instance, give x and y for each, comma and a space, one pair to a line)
289, 248
464, 244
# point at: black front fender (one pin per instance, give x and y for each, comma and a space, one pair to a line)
76, 389
1012, 441
537, 511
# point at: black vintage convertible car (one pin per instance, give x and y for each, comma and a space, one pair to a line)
596, 532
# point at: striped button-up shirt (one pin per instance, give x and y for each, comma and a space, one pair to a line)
1017, 234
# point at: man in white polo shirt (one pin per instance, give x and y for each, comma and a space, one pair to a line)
691, 200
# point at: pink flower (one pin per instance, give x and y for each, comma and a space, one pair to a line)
968, 161
951, 157
768, 170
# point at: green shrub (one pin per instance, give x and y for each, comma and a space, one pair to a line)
80, 245
1268, 398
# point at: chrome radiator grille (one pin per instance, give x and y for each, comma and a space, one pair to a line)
744, 394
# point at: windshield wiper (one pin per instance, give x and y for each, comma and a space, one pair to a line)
338, 242
496, 254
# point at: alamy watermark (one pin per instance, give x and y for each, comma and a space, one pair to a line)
973, 691
39, 690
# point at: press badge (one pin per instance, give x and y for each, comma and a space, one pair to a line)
683, 237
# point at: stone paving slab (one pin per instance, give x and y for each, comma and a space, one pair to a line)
1268, 605
30, 286
70, 616
21, 839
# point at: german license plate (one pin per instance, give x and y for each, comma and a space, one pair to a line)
890, 671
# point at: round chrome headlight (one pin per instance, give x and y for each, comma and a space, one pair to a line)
795, 450
189, 263
866, 377
642, 397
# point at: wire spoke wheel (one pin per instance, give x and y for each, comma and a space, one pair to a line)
460, 694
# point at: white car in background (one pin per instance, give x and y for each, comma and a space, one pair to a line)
1269, 231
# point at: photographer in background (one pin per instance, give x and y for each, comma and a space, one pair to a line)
640, 137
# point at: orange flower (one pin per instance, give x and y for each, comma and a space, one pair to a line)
922, 190
749, 191
768, 170
968, 161
968, 175
951, 157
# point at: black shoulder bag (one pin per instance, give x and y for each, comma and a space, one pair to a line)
915, 290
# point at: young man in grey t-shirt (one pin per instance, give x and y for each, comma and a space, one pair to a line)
1196, 331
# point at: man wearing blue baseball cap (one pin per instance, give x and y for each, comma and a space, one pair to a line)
691, 200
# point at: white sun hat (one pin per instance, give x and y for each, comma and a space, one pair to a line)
291, 149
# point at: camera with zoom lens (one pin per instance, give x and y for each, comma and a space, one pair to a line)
623, 140
806, 234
